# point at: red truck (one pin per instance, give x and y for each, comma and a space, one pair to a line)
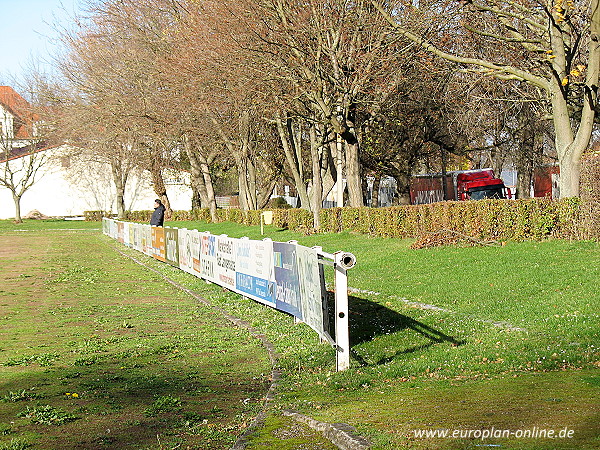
457, 185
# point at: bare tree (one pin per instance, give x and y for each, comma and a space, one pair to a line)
23, 152
553, 45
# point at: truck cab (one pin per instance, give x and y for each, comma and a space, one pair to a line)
458, 185
478, 185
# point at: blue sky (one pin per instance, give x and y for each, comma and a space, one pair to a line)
27, 33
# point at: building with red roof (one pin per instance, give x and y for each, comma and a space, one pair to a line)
17, 119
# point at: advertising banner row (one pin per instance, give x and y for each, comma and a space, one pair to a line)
282, 275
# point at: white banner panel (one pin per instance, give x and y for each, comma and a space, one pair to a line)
126, 237
147, 240
310, 288
255, 274
189, 251
225, 268
208, 257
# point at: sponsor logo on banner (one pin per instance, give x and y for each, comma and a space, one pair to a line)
172, 248
159, 250
147, 240
120, 232
225, 269
287, 291
255, 276
310, 288
189, 251
208, 257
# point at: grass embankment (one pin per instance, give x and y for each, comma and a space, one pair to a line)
514, 345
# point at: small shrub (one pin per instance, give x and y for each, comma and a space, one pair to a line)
19, 396
278, 203
47, 415
96, 216
163, 404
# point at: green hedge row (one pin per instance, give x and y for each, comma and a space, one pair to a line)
483, 219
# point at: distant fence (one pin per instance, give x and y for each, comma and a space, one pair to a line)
283, 275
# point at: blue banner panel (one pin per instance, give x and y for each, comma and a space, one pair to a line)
287, 292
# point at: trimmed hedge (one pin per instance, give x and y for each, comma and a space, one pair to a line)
96, 216
483, 219
527, 219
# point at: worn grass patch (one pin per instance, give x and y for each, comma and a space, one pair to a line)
95, 352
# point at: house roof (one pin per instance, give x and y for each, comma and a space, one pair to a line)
21, 109
20, 152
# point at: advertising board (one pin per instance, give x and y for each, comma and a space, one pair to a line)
311, 292
255, 275
225, 256
159, 250
287, 290
189, 251
208, 257
172, 246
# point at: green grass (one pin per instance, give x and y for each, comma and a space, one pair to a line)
47, 225
514, 317
96, 352
515, 346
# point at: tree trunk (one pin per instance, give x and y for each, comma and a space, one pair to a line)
317, 182
353, 178
570, 147
375, 193
120, 180
293, 163
209, 189
196, 178
17, 200
159, 187
196, 200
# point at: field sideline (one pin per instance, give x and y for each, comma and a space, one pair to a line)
513, 345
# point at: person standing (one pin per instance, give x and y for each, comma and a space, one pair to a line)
158, 216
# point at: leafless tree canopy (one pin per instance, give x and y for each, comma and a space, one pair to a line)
313, 92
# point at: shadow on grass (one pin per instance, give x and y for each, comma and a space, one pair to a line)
369, 319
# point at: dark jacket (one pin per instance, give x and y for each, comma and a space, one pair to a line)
158, 216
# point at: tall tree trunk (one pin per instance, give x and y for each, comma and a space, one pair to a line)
17, 200
201, 178
353, 176
210, 191
196, 178
120, 180
159, 187
196, 200
247, 171
293, 163
375, 193
317, 182
569, 145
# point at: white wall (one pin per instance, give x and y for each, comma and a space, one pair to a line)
67, 192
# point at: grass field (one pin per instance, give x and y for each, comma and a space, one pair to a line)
98, 353
513, 344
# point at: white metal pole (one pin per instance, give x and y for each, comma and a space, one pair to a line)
342, 332
339, 164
